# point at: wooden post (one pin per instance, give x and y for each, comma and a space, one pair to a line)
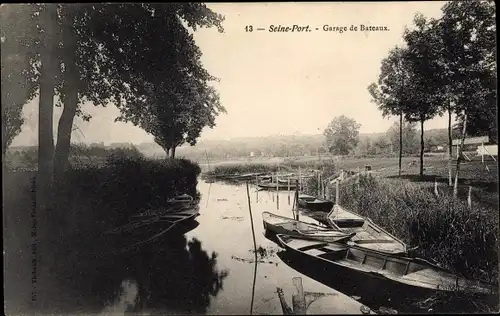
436, 187
277, 193
257, 192
296, 200
358, 180
254, 248
298, 300
323, 186
288, 190
337, 192
300, 177
482, 152
469, 198
318, 192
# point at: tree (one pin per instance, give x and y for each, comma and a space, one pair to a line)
19, 78
382, 145
342, 135
408, 134
425, 99
111, 55
364, 147
467, 48
390, 94
468, 67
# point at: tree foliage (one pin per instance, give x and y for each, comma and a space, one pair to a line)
391, 91
468, 65
342, 135
19, 77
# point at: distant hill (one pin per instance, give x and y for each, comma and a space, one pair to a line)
269, 146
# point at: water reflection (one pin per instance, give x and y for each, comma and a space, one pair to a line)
126, 300
172, 275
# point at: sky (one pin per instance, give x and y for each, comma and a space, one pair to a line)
274, 83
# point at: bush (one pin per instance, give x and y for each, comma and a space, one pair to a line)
104, 196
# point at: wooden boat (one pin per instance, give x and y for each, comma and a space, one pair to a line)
391, 272
368, 234
332, 303
247, 176
315, 204
174, 208
180, 216
285, 225
181, 199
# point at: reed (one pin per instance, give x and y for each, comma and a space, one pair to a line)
285, 166
446, 229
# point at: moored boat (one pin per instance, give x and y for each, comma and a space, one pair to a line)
391, 272
368, 234
181, 199
247, 176
274, 186
285, 225
315, 204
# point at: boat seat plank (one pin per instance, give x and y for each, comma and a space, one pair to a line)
314, 252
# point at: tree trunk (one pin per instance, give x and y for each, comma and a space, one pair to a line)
43, 255
400, 141
172, 152
450, 149
459, 158
70, 91
422, 148
46, 106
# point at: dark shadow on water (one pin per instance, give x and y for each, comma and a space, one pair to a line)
170, 275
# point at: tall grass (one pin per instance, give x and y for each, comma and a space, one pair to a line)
445, 229
233, 169
288, 165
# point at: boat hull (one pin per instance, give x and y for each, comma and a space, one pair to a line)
273, 186
300, 229
317, 205
369, 279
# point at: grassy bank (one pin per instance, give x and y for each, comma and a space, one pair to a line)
445, 229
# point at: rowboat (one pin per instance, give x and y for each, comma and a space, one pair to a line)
368, 234
395, 273
315, 204
175, 208
181, 199
273, 186
285, 225
247, 176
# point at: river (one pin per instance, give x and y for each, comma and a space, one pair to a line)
214, 273
205, 267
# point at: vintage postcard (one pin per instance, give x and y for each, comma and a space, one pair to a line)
250, 158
